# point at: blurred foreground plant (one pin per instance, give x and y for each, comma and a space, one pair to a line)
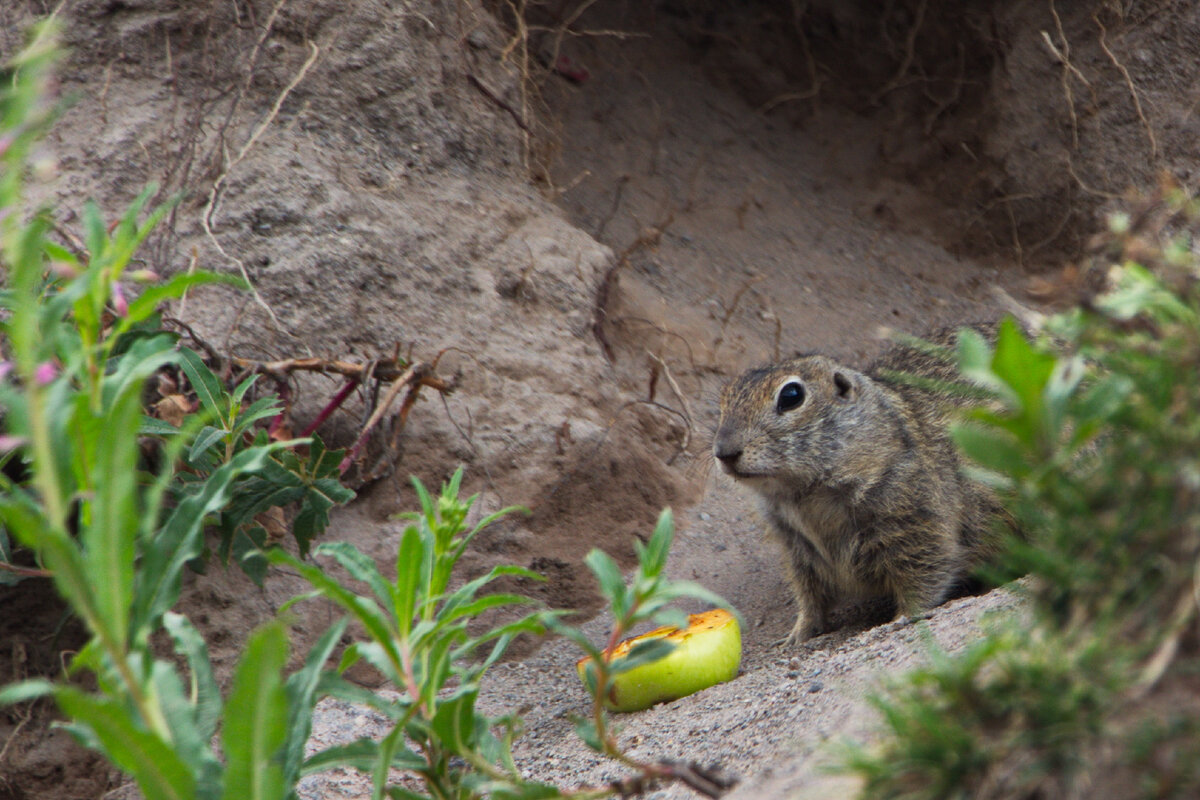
80, 352
1093, 442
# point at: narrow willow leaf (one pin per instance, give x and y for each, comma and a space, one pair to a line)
148, 302
189, 744
388, 748
362, 755
205, 384
647, 651
207, 437
25, 691
365, 610
206, 697
256, 719
302, 694
160, 773
362, 568
409, 559
612, 583
659, 546
178, 541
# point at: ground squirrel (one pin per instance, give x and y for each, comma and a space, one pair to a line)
859, 479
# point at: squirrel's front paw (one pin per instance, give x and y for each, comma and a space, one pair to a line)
806, 627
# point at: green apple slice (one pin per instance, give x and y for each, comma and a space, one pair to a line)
707, 652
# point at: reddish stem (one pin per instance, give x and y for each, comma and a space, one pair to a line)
26, 572
339, 398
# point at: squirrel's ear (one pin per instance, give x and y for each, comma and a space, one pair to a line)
845, 387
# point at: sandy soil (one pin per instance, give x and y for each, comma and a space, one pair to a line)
693, 210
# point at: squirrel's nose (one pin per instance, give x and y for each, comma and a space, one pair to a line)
727, 450
729, 460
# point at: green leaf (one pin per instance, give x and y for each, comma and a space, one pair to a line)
152, 426
23, 692
160, 773
255, 495
95, 234
664, 616
1064, 380
974, 354
483, 523
363, 608
313, 517
612, 583
427, 506
302, 688
111, 519
525, 790
206, 695
240, 390
256, 719
454, 722
409, 559
585, 729
653, 558
262, 408
212, 395
392, 744
577, 636
58, 551
674, 590
1101, 401
452, 607
246, 548
178, 540
361, 568
362, 755
149, 301
647, 651
1023, 369
431, 676
207, 437
477, 607
333, 685
992, 449
533, 624
186, 738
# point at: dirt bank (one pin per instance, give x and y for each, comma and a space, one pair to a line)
697, 187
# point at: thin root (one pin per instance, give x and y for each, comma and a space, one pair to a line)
1137, 103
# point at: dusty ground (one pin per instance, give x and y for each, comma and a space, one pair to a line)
695, 208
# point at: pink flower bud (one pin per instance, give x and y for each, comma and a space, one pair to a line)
5, 368
143, 276
64, 269
120, 304
45, 373
8, 442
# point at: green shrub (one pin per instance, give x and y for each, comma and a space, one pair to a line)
1093, 442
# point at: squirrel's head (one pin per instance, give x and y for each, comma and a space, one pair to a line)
787, 422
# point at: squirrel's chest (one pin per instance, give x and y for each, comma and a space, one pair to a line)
823, 523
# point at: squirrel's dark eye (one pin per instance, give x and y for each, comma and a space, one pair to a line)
791, 395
